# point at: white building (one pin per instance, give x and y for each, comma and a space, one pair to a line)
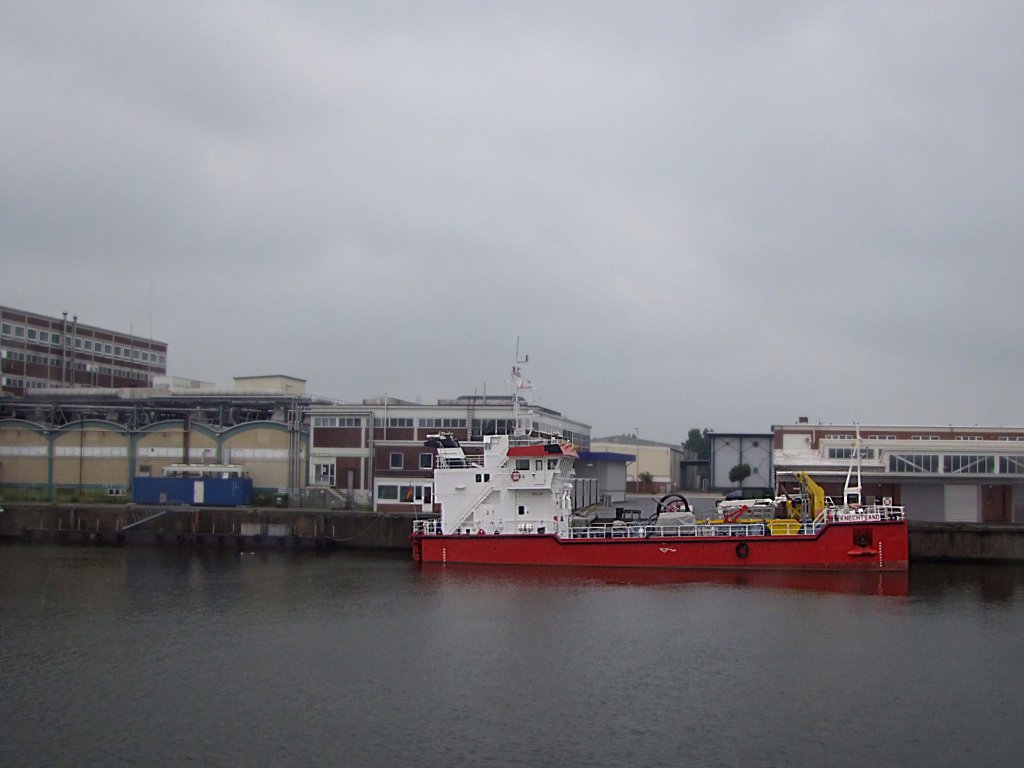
957, 474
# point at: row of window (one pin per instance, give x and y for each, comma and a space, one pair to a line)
955, 464
538, 464
56, 361
445, 423
101, 375
399, 422
480, 426
397, 461
962, 438
847, 453
85, 344
410, 494
337, 421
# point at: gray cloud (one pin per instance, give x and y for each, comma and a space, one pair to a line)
713, 214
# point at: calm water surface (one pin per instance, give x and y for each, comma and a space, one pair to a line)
112, 657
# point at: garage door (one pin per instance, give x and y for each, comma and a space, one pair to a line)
961, 503
924, 501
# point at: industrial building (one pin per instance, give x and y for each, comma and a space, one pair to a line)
39, 351
667, 466
89, 443
730, 449
373, 452
939, 473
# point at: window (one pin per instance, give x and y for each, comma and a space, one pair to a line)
426, 461
538, 464
32, 336
397, 461
88, 345
969, 465
552, 463
107, 349
1011, 465
523, 464
324, 473
913, 462
6, 329
19, 332
387, 492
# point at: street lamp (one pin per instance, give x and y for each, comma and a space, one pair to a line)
636, 466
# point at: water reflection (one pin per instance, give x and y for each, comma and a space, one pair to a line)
872, 583
986, 583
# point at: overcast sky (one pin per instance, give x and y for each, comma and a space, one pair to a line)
712, 214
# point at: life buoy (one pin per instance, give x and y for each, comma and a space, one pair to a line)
515, 476
742, 550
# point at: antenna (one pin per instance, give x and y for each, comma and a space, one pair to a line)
518, 427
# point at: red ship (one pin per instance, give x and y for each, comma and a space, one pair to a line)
508, 501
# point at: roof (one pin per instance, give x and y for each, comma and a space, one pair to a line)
633, 441
623, 458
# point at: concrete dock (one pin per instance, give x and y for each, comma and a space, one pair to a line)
253, 528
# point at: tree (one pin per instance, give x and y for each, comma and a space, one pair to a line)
739, 473
698, 442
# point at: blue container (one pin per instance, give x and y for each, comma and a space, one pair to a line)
207, 491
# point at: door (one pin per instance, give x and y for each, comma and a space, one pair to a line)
961, 503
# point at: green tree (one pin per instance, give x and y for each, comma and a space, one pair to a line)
697, 440
646, 478
739, 473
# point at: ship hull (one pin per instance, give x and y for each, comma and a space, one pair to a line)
873, 546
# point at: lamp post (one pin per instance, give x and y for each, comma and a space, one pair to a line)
636, 466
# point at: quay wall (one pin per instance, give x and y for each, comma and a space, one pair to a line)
967, 542
308, 528
237, 526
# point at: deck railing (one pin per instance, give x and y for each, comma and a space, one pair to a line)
433, 528
870, 513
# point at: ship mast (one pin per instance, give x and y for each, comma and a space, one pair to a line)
518, 384
852, 493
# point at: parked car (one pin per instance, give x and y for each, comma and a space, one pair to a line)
749, 493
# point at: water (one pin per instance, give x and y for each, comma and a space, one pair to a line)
115, 657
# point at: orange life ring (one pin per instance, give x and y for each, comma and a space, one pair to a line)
515, 476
